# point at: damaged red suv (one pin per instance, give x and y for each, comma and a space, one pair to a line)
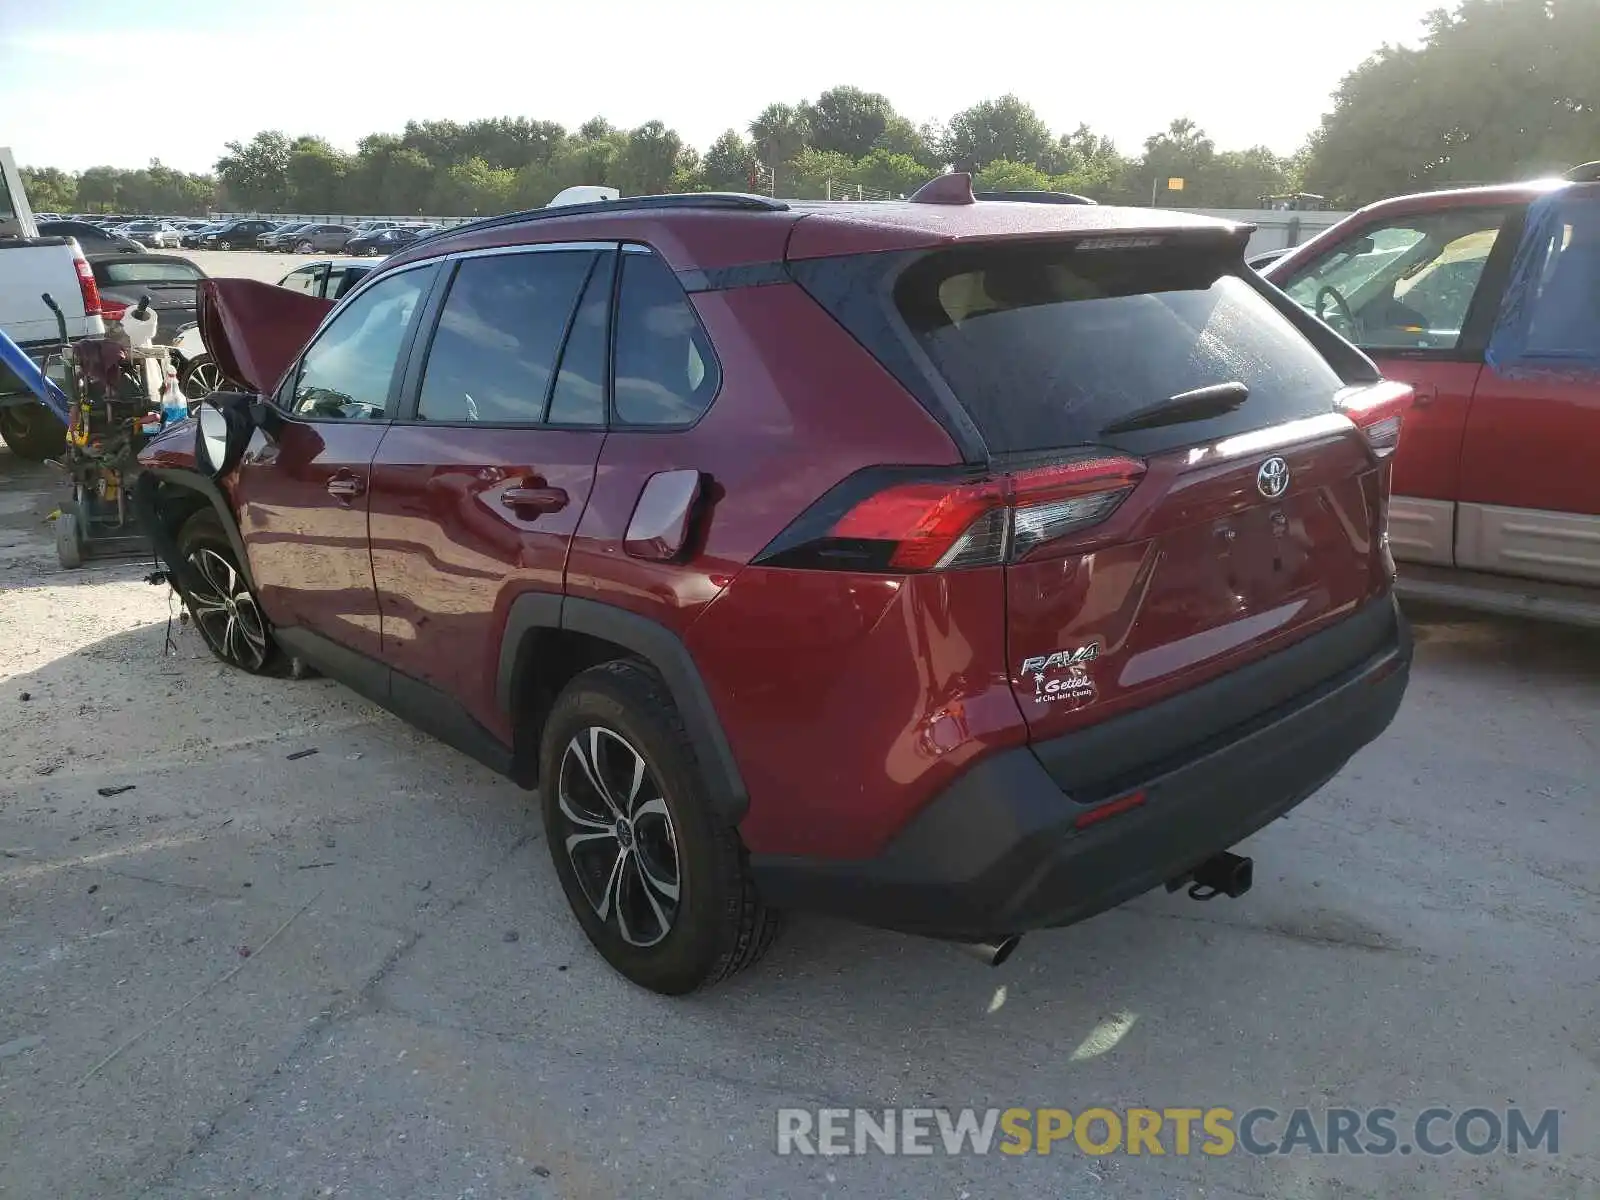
959, 566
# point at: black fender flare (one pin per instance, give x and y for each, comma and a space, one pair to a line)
656, 645
166, 544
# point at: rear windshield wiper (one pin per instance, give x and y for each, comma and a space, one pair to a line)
1195, 405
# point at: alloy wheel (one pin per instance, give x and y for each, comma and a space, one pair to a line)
221, 604
203, 378
618, 836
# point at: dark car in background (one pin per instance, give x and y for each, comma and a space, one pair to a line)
278, 238
1084, 518
194, 239
320, 239
387, 241
171, 283
236, 235
91, 239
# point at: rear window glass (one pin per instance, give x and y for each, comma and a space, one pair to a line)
114, 273
1047, 348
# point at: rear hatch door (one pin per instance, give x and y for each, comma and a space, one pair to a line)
1238, 511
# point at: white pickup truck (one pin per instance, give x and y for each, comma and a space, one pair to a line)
31, 266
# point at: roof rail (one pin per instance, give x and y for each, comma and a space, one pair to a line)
727, 201
1586, 173
1032, 197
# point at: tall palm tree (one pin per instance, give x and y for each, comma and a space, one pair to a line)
779, 133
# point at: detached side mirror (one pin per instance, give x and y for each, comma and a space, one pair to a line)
222, 431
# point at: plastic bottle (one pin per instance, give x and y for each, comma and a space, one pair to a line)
174, 404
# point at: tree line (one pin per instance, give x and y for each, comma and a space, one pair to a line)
1497, 89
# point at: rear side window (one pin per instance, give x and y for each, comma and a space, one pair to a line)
1047, 347
665, 371
176, 271
494, 354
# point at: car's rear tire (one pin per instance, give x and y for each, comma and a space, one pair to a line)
32, 432
658, 880
220, 602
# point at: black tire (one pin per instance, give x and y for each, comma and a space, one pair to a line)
305, 248
32, 432
69, 550
220, 602
716, 924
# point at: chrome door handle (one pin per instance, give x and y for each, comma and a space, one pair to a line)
346, 486
534, 499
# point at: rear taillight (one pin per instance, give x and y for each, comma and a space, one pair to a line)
938, 524
1378, 410
111, 310
87, 286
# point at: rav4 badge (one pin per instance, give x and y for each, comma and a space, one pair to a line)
1075, 686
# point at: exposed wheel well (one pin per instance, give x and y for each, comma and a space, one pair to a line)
175, 504
548, 660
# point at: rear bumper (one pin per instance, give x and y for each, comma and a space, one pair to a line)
1000, 852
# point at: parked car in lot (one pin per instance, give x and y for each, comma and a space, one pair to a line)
171, 283
320, 239
92, 239
1487, 301
194, 239
386, 241
326, 280
277, 237
155, 234
959, 567
235, 235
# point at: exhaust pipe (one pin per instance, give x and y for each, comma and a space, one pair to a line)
1222, 874
990, 953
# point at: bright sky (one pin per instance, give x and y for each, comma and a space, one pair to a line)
73, 72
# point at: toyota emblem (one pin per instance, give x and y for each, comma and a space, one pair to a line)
1272, 480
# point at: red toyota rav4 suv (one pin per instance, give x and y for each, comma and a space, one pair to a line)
959, 566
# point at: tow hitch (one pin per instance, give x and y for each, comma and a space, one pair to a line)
1222, 874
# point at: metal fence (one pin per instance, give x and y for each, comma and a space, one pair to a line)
341, 218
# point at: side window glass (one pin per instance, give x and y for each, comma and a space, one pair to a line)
665, 371
303, 280
345, 375
1564, 316
494, 353
1403, 286
579, 397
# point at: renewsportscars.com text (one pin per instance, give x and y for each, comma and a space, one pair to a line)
1178, 1131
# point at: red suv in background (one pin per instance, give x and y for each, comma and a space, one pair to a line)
959, 566
1487, 301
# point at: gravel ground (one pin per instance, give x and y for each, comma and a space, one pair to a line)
352, 973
